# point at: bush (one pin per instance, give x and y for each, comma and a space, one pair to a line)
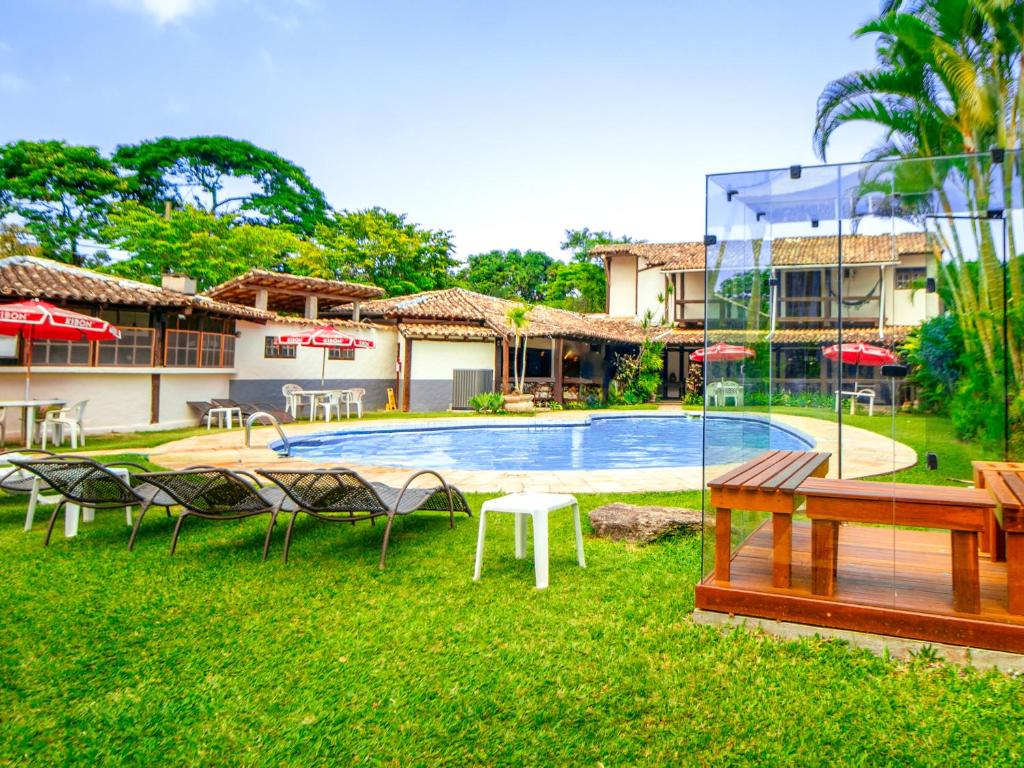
487, 402
640, 375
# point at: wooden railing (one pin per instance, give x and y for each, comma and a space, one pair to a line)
198, 349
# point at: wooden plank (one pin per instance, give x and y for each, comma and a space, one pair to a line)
762, 479
1015, 572
824, 556
966, 584
922, 494
1015, 485
728, 477
886, 512
723, 543
782, 546
816, 462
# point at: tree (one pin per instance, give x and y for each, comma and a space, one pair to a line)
223, 176
60, 191
382, 248
194, 242
578, 286
14, 241
509, 274
518, 316
582, 241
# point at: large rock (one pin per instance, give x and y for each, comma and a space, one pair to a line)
645, 524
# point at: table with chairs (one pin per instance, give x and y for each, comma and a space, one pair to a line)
325, 403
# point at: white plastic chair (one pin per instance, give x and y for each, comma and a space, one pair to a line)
330, 403
69, 418
292, 401
353, 397
855, 394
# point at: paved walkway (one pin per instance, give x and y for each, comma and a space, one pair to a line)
864, 453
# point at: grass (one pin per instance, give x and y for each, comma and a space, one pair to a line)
212, 657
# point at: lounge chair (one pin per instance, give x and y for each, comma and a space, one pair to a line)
201, 409
248, 409
17, 480
216, 493
87, 483
343, 496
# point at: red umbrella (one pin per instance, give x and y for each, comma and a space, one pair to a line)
325, 337
860, 354
721, 352
38, 320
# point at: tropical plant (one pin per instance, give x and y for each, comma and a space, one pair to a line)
639, 375
223, 176
487, 402
62, 193
518, 316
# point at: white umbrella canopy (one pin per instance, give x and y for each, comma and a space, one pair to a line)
325, 337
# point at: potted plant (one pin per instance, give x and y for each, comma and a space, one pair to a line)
518, 401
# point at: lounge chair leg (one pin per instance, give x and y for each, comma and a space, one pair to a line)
270, 530
177, 530
53, 520
135, 528
288, 534
384, 546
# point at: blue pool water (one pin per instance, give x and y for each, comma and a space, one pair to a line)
609, 442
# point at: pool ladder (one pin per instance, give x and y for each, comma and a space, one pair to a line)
276, 424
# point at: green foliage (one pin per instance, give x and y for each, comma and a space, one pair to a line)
580, 242
487, 402
639, 375
578, 286
15, 241
63, 193
382, 248
935, 350
190, 241
510, 274
223, 175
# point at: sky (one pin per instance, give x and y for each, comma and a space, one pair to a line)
504, 122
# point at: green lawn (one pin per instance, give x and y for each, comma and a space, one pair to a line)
212, 657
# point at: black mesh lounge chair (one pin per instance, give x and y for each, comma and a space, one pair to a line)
86, 482
16, 480
248, 409
201, 408
216, 493
341, 495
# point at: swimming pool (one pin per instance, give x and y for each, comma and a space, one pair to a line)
599, 442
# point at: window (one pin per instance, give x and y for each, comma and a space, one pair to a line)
338, 353
908, 278
803, 285
61, 352
195, 349
182, 349
273, 350
134, 348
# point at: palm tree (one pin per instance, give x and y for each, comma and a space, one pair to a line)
518, 316
948, 81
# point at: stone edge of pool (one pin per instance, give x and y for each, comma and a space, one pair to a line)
864, 455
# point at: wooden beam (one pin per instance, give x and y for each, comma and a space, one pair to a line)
558, 368
406, 375
504, 365
154, 399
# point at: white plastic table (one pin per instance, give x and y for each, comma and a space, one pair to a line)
221, 413
28, 411
538, 506
314, 395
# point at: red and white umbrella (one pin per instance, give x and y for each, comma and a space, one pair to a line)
860, 354
721, 352
36, 320
324, 337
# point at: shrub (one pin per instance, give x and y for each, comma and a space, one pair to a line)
487, 402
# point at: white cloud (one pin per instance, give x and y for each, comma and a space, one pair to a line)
164, 11
10, 83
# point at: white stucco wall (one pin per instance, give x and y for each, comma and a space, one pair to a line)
436, 360
376, 363
651, 284
622, 286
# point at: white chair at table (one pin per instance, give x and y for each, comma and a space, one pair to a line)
70, 418
329, 403
353, 397
292, 399
855, 394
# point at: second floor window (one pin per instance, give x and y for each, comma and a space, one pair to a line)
802, 288
908, 278
337, 353
273, 350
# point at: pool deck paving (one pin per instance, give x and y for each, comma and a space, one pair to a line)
864, 454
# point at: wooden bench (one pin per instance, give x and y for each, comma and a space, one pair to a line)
767, 483
961, 511
1004, 481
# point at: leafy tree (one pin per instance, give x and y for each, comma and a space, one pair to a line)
582, 241
518, 316
62, 193
194, 242
379, 247
510, 274
223, 175
578, 286
14, 241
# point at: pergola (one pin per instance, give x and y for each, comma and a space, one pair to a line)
293, 294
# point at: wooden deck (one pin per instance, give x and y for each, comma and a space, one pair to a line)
890, 581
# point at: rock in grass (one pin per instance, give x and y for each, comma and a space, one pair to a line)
641, 523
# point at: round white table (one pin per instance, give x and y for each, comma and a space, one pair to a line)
28, 418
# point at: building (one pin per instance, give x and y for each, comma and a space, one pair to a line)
883, 297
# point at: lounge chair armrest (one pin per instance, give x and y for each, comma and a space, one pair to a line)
421, 473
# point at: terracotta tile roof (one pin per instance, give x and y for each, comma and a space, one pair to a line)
695, 337
457, 305
35, 277
785, 251
287, 292
337, 322
447, 331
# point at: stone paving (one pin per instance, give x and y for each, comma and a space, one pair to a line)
864, 454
